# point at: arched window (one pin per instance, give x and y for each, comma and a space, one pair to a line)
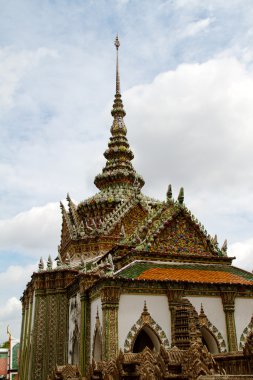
145, 333
209, 340
146, 338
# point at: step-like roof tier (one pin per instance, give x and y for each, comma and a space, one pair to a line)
121, 215
186, 272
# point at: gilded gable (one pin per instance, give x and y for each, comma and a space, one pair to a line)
131, 220
182, 236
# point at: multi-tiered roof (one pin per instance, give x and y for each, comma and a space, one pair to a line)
119, 173
133, 230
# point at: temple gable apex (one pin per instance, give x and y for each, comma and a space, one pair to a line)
180, 234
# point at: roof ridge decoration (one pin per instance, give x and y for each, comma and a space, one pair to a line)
118, 171
66, 217
72, 211
154, 224
115, 216
144, 229
111, 220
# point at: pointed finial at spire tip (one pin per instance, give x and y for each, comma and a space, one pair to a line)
116, 42
145, 309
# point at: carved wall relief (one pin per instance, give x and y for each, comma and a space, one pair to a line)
74, 329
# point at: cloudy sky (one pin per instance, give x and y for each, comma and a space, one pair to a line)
187, 84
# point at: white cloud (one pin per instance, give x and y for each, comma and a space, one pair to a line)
14, 65
243, 251
197, 117
12, 284
10, 316
196, 27
34, 232
15, 275
10, 309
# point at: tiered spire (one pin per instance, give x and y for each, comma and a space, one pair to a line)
118, 171
118, 109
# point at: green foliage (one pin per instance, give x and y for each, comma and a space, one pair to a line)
5, 344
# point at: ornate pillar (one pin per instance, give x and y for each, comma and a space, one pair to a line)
174, 296
228, 301
85, 334
23, 348
26, 334
29, 375
39, 336
110, 304
62, 314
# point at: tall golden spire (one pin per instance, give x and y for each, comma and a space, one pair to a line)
117, 45
118, 171
118, 109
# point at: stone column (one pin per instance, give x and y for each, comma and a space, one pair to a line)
174, 296
85, 334
29, 376
228, 301
23, 342
39, 336
110, 304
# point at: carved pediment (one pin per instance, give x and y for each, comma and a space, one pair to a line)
181, 236
130, 221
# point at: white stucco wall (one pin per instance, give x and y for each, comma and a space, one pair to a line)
131, 307
243, 314
95, 306
213, 309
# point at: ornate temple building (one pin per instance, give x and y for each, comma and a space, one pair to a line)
139, 289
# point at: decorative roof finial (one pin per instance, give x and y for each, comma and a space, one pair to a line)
145, 309
181, 196
49, 263
169, 193
202, 316
116, 42
224, 248
59, 260
117, 45
41, 264
118, 109
118, 171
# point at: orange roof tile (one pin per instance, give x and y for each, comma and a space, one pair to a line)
192, 275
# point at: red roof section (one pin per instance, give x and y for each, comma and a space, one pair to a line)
193, 275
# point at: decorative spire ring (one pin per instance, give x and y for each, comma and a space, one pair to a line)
117, 43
